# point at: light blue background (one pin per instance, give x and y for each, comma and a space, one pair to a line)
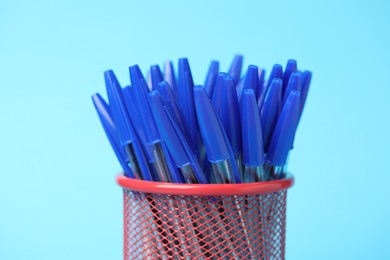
58, 198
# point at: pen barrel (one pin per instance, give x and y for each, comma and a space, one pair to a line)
204, 221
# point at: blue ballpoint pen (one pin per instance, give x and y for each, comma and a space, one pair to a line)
271, 110
291, 67
276, 72
169, 76
219, 153
188, 165
156, 76
186, 102
153, 138
252, 139
253, 157
125, 129
176, 143
230, 118
211, 78
219, 150
235, 68
109, 128
294, 83
283, 136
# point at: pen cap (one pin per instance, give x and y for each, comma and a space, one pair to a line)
211, 78
169, 76
171, 102
235, 68
252, 79
218, 90
261, 83
291, 67
173, 137
118, 110
136, 77
186, 102
167, 130
294, 83
142, 104
210, 127
276, 72
136, 120
283, 136
306, 79
271, 110
229, 114
109, 128
252, 140
156, 76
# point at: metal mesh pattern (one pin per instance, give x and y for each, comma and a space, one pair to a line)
193, 227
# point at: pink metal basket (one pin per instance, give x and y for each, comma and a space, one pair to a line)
204, 221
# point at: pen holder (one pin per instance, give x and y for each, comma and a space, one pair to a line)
204, 221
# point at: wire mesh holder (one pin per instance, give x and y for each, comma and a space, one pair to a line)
204, 221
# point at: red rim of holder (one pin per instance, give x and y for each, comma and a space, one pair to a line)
204, 189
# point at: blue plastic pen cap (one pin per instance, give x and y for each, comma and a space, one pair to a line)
169, 75
291, 67
235, 68
186, 102
103, 111
137, 121
283, 136
167, 130
156, 76
276, 72
142, 104
211, 78
294, 83
252, 140
229, 114
136, 77
271, 110
218, 90
174, 138
170, 100
210, 127
306, 79
252, 79
118, 110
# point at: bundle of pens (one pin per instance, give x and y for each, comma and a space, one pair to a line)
230, 130
233, 129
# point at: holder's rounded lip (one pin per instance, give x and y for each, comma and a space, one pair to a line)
205, 189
